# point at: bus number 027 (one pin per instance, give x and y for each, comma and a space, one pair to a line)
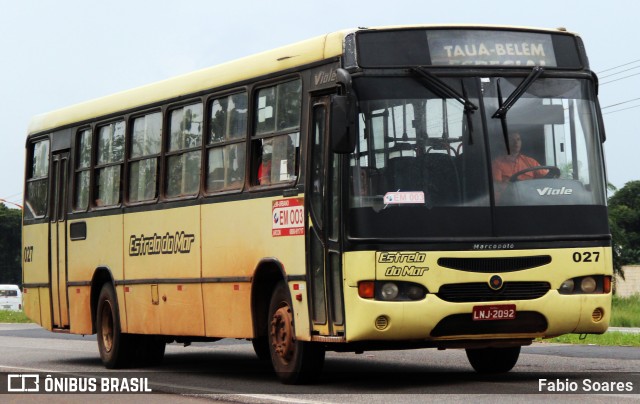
586, 256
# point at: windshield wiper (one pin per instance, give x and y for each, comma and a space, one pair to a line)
443, 90
505, 106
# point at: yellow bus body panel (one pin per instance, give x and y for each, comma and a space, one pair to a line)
80, 310
415, 320
237, 237
162, 251
35, 270
102, 248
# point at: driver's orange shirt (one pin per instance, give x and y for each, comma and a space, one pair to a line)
505, 166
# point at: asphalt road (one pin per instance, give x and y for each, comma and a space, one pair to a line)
229, 371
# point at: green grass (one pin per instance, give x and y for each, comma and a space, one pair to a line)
7, 316
613, 338
625, 311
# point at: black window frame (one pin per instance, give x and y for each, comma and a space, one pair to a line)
97, 166
77, 169
210, 144
258, 137
167, 153
30, 179
159, 156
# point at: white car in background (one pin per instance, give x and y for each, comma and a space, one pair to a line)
10, 298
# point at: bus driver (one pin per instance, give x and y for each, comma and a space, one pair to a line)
505, 166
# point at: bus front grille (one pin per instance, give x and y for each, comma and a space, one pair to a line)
494, 265
481, 292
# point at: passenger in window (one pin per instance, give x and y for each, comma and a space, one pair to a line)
505, 166
264, 169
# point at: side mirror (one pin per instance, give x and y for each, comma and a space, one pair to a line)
343, 131
343, 127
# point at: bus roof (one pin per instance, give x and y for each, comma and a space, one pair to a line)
297, 54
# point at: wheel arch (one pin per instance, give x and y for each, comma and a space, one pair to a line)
266, 276
101, 276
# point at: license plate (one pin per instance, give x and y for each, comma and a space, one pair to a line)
496, 312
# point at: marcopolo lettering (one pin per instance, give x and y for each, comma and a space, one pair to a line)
178, 243
499, 246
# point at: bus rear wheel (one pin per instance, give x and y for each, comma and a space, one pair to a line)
493, 360
294, 361
115, 348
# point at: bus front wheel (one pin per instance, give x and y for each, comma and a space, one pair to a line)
493, 360
294, 361
115, 348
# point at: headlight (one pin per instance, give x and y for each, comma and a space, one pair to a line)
567, 287
591, 284
416, 292
389, 291
588, 285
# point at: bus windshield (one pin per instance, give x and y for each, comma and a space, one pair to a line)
425, 167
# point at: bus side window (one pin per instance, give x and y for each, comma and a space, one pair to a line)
110, 157
226, 143
37, 180
275, 145
143, 161
183, 154
83, 170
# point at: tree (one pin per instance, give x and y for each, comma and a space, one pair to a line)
10, 245
624, 220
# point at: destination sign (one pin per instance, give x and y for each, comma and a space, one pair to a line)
471, 47
501, 48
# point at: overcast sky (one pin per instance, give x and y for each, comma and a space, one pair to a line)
57, 53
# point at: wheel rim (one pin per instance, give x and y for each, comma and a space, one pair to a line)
282, 338
106, 326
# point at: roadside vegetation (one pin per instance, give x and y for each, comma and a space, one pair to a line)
611, 338
625, 311
7, 316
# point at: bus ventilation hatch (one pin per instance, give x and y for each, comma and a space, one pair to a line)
481, 292
494, 265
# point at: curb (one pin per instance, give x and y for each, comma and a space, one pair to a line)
630, 330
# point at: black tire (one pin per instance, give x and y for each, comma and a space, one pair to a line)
150, 350
261, 347
116, 349
493, 360
295, 362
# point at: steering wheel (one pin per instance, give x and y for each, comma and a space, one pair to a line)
554, 172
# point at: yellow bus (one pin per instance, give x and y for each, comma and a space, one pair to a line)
375, 188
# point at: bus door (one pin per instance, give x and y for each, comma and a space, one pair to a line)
58, 241
324, 266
